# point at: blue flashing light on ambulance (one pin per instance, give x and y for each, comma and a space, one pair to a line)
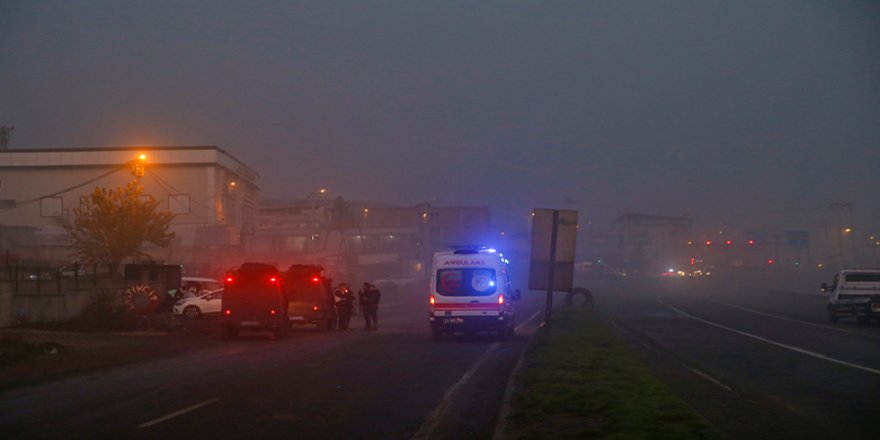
470, 293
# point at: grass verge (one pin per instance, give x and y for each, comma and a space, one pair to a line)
582, 381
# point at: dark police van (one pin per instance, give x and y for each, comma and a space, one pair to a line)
310, 296
254, 299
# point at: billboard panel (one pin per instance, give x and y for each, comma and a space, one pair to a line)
562, 262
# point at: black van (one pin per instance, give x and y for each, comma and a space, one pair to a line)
310, 296
253, 299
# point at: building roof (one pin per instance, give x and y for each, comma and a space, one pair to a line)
96, 156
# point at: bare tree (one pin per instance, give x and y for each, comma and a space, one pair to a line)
111, 224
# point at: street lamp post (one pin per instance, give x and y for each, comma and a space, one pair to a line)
313, 197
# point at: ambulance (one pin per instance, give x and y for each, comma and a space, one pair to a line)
470, 292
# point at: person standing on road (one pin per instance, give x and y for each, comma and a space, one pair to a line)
344, 304
361, 297
370, 297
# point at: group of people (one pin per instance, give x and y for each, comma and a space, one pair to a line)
368, 301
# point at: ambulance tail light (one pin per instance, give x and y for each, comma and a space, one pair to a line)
431, 300
500, 299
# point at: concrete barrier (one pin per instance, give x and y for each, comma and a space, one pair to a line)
30, 305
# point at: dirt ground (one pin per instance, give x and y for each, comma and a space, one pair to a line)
81, 352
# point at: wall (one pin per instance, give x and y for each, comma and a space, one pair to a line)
30, 306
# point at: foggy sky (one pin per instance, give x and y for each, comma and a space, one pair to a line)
753, 114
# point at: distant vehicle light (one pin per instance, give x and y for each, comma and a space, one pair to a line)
751, 242
227, 312
316, 279
729, 242
708, 242
769, 261
315, 308
273, 312
229, 279
273, 280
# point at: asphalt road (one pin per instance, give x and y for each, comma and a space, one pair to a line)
388, 384
757, 363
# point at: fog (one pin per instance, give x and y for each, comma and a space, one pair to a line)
748, 115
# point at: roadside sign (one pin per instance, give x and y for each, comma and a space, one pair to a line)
554, 232
547, 254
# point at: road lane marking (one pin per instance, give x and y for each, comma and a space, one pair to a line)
433, 420
176, 413
708, 377
778, 344
827, 327
529, 319
640, 341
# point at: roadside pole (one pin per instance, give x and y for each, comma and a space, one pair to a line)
554, 232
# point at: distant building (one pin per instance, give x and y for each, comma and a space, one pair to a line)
213, 195
361, 240
653, 242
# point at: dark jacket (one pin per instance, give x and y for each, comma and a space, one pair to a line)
371, 297
346, 298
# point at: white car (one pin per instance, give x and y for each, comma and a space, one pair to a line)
196, 306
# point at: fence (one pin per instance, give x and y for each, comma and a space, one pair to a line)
43, 293
38, 280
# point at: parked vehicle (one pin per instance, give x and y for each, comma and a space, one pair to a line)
253, 299
310, 296
195, 287
855, 293
196, 306
470, 292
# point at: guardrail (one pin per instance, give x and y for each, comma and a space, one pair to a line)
39, 280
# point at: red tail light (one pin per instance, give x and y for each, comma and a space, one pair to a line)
227, 312
273, 312
500, 299
431, 300
273, 280
315, 308
316, 279
229, 279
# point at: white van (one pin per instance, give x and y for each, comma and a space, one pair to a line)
856, 293
470, 292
